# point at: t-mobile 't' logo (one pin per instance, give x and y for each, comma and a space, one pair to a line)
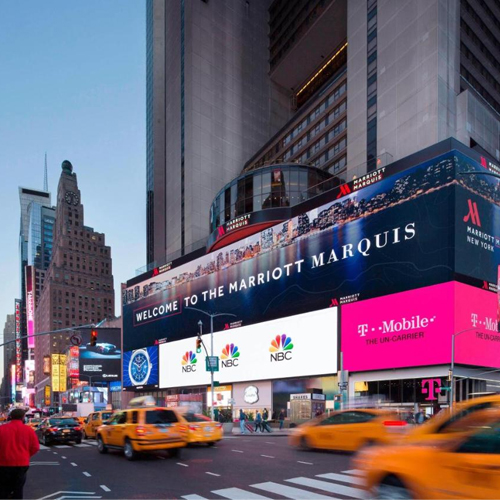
362, 329
473, 319
473, 213
432, 384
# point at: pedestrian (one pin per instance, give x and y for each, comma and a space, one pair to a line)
265, 425
281, 418
243, 422
258, 422
18, 443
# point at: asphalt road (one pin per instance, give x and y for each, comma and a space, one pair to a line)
238, 468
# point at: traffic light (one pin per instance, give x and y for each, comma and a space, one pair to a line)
198, 345
93, 338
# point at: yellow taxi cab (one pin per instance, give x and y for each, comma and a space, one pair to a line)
93, 421
347, 430
143, 428
465, 467
202, 429
34, 422
448, 422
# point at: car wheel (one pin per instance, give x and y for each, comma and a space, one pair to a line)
392, 489
79, 441
210, 443
304, 444
45, 441
101, 447
128, 450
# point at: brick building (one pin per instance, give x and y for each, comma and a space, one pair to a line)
78, 287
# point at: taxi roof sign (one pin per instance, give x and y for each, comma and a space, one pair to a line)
142, 401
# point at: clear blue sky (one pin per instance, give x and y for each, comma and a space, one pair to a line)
72, 84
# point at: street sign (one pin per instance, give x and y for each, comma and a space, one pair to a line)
76, 340
212, 363
342, 386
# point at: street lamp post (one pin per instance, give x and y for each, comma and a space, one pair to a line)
200, 324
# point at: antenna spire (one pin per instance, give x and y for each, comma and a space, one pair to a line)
45, 179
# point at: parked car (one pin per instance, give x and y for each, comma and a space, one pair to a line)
93, 421
102, 348
143, 429
59, 430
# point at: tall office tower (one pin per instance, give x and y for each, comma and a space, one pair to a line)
8, 353
210, 105
78, 287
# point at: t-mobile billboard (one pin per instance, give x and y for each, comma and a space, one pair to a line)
297, 346
414, 328
390, 236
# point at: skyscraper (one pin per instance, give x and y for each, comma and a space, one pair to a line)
8, 353
78, 287
210, 105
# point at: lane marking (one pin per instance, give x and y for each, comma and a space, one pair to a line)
73, 464
238, 494
289, 492
160, 457
193, 497
338, 489
55, 452
267, 456
81, 445
237, 451
342, 478
61, 446
63, 457
73, 492
305, 463
353, 471
104, 487
87, 474
212, 474
183, 465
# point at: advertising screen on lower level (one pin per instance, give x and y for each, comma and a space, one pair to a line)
140, 368
415, 328
296, 346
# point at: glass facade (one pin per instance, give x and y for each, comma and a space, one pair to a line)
40, 234
275, 186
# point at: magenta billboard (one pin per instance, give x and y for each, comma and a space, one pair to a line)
415, 328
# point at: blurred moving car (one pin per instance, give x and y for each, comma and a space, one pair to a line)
93, 421
102, 348
59, 430
347, 430
34, 422
142, 429
202, 429
461, 419
467, 466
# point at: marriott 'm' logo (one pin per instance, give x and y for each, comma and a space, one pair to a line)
344, 189
473, 213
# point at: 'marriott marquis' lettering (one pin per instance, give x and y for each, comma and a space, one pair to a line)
385, 238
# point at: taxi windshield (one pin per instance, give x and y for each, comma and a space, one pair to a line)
105, 416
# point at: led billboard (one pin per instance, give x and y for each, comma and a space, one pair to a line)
296, 346
101, 362
140, 368
390, 236
30, 305
414, 328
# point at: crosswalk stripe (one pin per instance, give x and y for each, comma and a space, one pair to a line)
81, 445
289, 492
92, 443
238, 494
42, 447
338, 489
356, 472
62, 446
342, 478
193, 497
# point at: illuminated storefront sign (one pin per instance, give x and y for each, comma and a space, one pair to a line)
13, 382
30, 305
46, 365
29, 376
47, 395
73, 362
19, 367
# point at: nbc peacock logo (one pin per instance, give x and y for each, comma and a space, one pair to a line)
189, 362
230, 355
281, 348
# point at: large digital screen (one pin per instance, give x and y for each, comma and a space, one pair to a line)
391, 236
30, 305
140, 368
101, 362
415, 328
296, 346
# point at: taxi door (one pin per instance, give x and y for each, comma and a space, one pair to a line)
94, 424
116, 429
473, 469
325, 433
